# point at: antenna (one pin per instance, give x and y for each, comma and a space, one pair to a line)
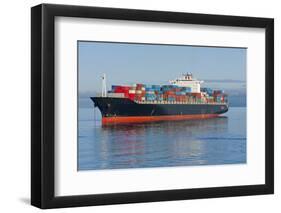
103, 91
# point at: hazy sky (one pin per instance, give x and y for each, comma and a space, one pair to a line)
125, 63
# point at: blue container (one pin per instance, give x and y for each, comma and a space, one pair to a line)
209, 91
156, 86
150, 95
186, 89
150, 98
218, 91
166, 88
180, 93
218, 99
113, 87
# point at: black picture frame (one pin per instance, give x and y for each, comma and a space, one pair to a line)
43, 117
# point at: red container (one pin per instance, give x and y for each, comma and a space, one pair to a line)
169, 92
126, 94
138, 97
117, 88
210, 100
132, 96
139, 86
126, 88
121, 88
181, 98
217, 92
196, 94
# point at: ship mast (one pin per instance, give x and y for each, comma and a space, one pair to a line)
103, 91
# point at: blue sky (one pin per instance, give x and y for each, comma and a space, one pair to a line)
125, 63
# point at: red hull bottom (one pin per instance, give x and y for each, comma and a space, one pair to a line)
140, 119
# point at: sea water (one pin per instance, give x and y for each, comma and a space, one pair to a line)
214, 141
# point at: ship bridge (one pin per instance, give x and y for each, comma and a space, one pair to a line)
187, 80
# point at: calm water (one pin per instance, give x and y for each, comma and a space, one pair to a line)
180, 143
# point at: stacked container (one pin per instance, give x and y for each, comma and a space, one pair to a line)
207, 91
218, 96
170, 93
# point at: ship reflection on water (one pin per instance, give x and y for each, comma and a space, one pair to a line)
161, 144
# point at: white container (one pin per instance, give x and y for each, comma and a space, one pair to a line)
150, 92
115, 95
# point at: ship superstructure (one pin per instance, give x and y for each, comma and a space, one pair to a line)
186, 80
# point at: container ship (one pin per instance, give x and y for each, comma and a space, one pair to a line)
181, 99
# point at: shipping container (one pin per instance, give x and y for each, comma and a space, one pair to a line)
132, 91
142, 92
207, 90
169, 92
115, 95
132, 96
196, 94
217, 92
156, 87
171, 98
186, 89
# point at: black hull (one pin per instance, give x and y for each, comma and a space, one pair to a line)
124, 107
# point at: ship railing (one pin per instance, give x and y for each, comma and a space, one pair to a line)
178, 102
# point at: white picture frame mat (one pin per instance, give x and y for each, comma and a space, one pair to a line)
69, 181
